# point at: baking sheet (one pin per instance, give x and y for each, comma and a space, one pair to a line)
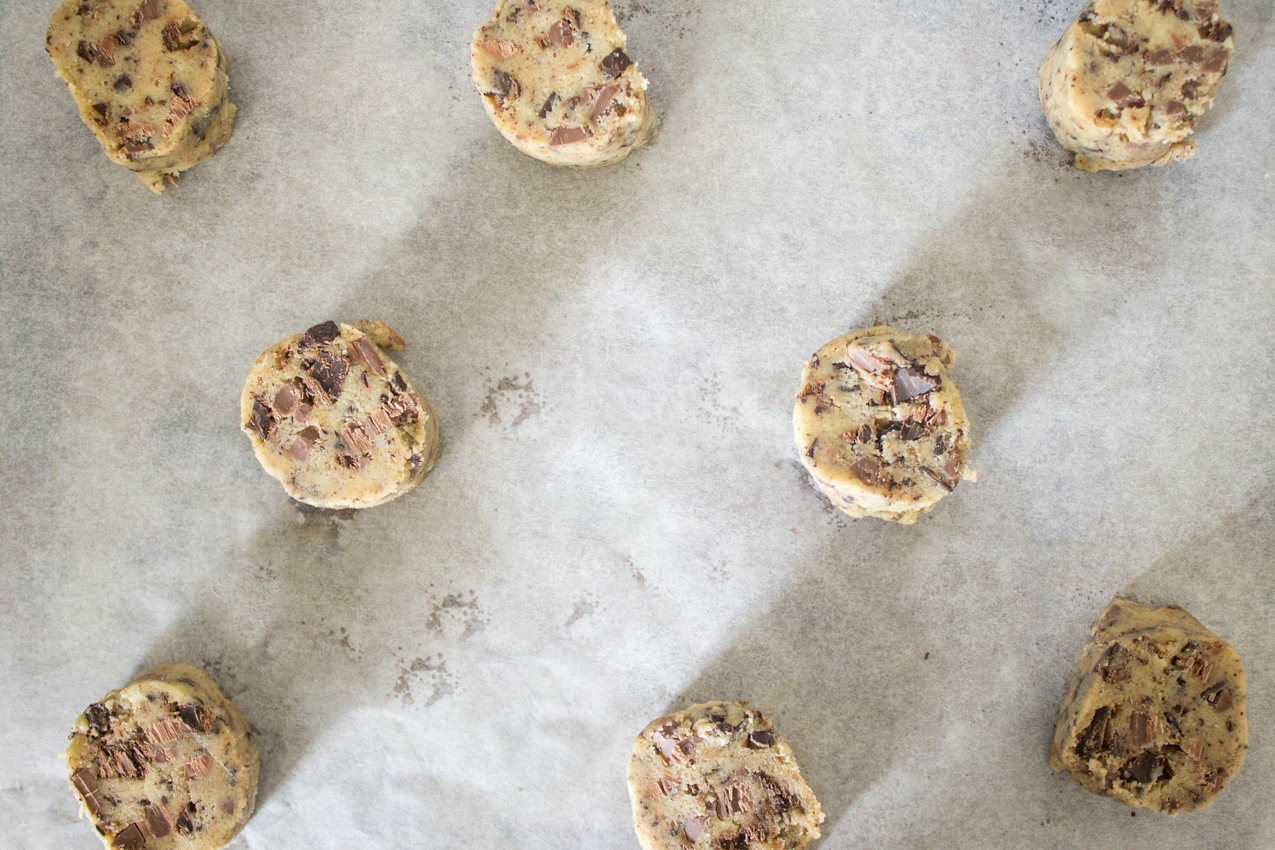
619, 525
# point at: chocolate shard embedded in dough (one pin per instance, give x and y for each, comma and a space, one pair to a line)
329, 371
910, 383
320, 334
158, 821
550, 102
1193, 55
285, 399
615, 63
197, 717
1093, 740
761, 739
129, 838
1124, 97
694, 828
867, 470
561, 33
363, 351
84, 780
185, 825
99, 719
1160, 58
603, 105
1216, 62
567, 136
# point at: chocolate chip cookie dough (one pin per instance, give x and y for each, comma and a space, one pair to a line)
880, 426
165, 762
717, 776
1126, 84
1154, 716
557, 83
332, 417
149, 80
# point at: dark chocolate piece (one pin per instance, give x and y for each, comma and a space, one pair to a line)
319, 335
99, 718
550, 101
262, 420
615, 63
1092, 741
158, 821
761, 739
197, 718
129, 838
1124, 97
605, 97
328, 371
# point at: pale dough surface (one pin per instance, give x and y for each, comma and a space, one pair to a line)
149, 80
716, 775
558, 84
1155, 715
336, 421
165, 762
880, 426
1127, 82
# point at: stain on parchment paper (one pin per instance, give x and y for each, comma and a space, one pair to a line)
583, 608
457, 615
423, 674
510, 399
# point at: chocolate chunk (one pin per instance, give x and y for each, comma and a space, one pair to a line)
549, 104
1140, 729
868, 362
1200, 668
762, 739
363, 351
198, 767
605, 97
197, 718
1220, 700
1124, 97
1193, 747
163, 732
124, 83
561, 33
694, 828
933, 476
667, 747
397, 385
158, 821
129, 838
149, 10
615, 63
568, 135
99, 718
1190, 88
1146, 768
355, 438
414, 461
179, 38
868, 471
1217, 31
1216, 63
910, 384
1160, 58
319, 335
327, 371
184, 824
1093, 740
378, 421
262, 420
84, 780
500, 48
1194, 55
1174, 109
506, 85
285, 399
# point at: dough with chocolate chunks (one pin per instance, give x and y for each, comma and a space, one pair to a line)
165, 762
718, 776
880, 426
557, 82
149, 80
1126, 84
335, 420
1154, 717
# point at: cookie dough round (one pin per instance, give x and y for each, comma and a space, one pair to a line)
880, 426
165, 762
717, 776
1154, 717
149, 80
332, 417
1126, 84
557, 83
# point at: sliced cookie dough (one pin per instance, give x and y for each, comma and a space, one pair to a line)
1126, 84
557, 83
164, 762
1154, 717
149, 80
718, 776
880, 426
332, 417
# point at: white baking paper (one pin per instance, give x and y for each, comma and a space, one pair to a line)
619, 525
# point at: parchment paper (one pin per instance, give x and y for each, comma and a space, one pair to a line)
619, 525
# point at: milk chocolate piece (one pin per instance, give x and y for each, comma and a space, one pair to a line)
568, 135
615, 63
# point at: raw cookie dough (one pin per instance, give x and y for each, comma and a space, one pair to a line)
880, 426
1154, 717
557, 83
149, 79
1127, 82
164, 762
717, 776
332, 417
